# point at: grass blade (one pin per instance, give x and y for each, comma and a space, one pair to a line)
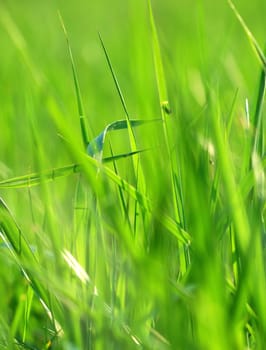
258, 138
52, 174
114, 78
254, 44
234, 198
82, 119
36, 178
130, 130
95, 147
165, 110
158, 64
138, 172
14, 235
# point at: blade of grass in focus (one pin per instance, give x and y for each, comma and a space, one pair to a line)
82, 118
138, 171
176, 190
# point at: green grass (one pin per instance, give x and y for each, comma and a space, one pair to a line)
132, 170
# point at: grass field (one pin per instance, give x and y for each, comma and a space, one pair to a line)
132, 175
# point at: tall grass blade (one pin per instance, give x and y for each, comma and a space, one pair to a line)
114, 78
82, 117
158, 64
257, 143
258, 139
132, 139
122, 99
176, 185
235, 201
254, 44
138, 172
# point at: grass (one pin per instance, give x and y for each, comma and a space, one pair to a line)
132, 176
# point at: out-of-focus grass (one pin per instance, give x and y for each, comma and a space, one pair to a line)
164, 249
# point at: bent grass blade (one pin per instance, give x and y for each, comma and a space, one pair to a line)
95, 147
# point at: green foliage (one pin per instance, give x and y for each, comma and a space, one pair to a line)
154, 236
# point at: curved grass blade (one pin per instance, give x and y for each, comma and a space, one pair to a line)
254, 44
82, 119
95, 147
